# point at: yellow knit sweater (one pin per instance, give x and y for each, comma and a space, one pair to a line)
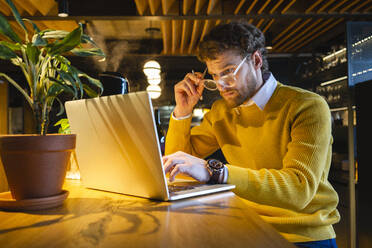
278, 158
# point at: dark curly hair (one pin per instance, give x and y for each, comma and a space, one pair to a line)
240, 36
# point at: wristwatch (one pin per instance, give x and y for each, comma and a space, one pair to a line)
215, 168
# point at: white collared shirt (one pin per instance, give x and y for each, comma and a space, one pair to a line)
264, 94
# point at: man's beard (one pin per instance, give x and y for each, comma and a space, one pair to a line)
234, 102
239, 99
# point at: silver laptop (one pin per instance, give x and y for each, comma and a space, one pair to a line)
118, 149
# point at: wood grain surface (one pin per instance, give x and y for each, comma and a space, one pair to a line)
3, 128
91, 218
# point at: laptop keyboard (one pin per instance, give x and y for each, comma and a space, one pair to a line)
177, 188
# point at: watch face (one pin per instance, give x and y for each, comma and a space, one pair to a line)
215, 164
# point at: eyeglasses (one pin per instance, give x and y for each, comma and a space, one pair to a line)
225, 80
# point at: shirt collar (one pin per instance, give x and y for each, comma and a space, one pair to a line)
264, 94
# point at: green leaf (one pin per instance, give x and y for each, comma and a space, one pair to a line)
58, 87
69, 80
87, 39
6, 52
16, 61
16, 14
93, 81
70, 74
36, 29
84, 52
64, 126
61, 107
6, 30
89, 91
69, 42
32, 53
13, 46
54, 34
37, 40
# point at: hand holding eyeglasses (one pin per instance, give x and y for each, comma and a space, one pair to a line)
187, 93
189, 90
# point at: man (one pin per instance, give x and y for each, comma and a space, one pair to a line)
276, 138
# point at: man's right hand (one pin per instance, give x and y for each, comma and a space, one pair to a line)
187, 93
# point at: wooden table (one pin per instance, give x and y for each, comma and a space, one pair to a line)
92, 218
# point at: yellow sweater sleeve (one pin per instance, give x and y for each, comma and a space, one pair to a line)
200, 141
308, 154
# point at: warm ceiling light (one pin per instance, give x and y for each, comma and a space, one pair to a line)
62, 8
154, 91
151, 69
154, 81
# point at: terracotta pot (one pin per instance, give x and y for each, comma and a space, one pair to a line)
35, 165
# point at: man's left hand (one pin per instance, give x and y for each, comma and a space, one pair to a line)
181, 162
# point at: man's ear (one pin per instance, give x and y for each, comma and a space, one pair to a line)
257, 60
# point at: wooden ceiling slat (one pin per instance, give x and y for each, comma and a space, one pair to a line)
26, 5
313, 28
186, 6
176, 35
260, 23
239, 6
313, 6
154, 6
212, 6
198, 6
286, 29
195, 36
166, 5
276, 6
169, 41
19, 31
337, 5
66, 25
299, 35
186, 33
263, 6
350, 5
277, 45
312, 35
209, 24
293, 24
361, 6
218, 22
288, 6
268, 26
41, 25
319, 33
166, 27
44, 6
282, 12
141, 6
368, 9
326, 5
4, 9
20, 9
251, 6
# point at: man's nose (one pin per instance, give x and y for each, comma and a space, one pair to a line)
221, 86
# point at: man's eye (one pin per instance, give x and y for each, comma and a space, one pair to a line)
227, 71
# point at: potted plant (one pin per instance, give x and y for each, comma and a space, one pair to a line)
35, 165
